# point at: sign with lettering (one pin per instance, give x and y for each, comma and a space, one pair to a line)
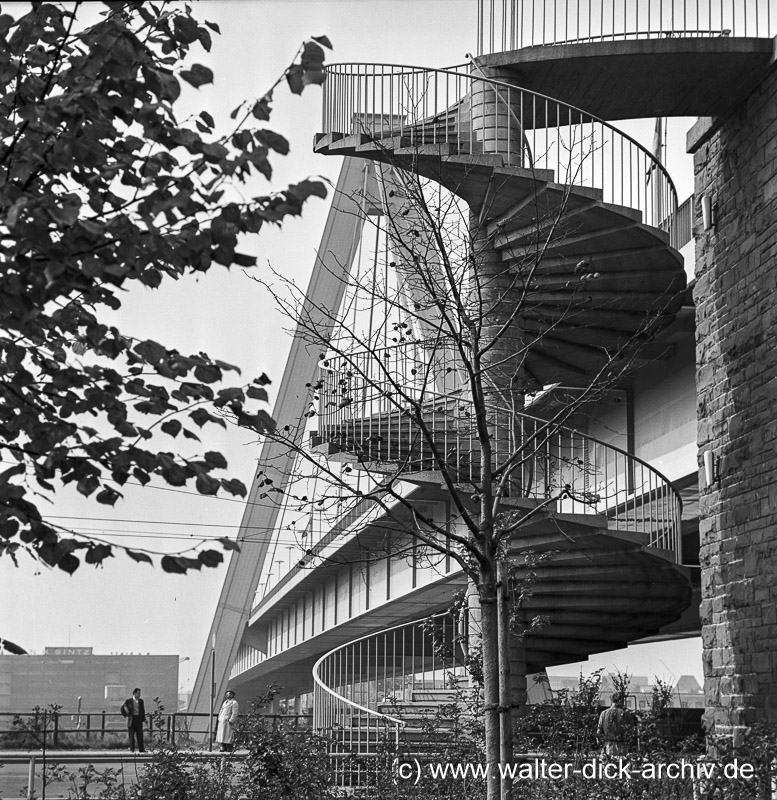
68, 651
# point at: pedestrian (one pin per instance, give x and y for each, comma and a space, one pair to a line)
228, 712
135, 712
613, 724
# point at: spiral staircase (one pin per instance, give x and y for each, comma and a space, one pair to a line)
608, 275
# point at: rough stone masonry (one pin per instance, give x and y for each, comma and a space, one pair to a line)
735, 163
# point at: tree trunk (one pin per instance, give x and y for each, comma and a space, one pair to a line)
489, 644
502, 382
505, 675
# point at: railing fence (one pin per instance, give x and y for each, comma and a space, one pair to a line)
61, 729
512, 24
359, 688
412, 107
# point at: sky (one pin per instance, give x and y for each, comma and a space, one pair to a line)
125, 607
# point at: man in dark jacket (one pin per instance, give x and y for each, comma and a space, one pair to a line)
135, 712
614, 723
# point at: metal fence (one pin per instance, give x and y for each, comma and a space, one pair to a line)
101, 729
512, 24
405, 106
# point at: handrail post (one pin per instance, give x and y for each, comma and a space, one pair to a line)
31, 779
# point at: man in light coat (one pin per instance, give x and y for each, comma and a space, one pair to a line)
227, 720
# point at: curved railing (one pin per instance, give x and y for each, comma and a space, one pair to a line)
361, 688
362, 411
513, 24
470, 115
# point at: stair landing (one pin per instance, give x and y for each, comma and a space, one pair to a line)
675, 76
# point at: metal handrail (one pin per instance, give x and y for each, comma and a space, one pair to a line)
513, 24
358, 668
361, 412
474, 115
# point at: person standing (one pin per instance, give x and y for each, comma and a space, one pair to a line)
228, 712
135, 712
613, 726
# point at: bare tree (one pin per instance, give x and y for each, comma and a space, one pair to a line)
430, 373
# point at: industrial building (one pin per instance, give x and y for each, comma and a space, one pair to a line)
77, 679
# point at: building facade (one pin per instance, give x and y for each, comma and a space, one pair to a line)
77, 679
658, 489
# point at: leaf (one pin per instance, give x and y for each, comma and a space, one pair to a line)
67, 213
306, 188
243, 260
87, 485
6, 20
312, 56
261, 108
173, 564
138, 556
151, 351
214, 152
107, 496
8, 528
207, 373
215, 460
228, 544
19, 469
178, 565
198, 75
274, 141
200, 417
171, 427
229, 395
314, 76
234, 486
97, 553
205, 484
261, 422
141, 476
324, 40
210, 558
256, 393
175, 474
294, 77
69, 563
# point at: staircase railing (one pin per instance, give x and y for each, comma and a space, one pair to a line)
361, 412
468, 115
357, 685
512, 24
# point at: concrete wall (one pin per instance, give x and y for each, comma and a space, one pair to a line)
665, 412
736, 302
664, 409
